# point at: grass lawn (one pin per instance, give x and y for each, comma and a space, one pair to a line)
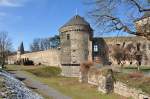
68, 86
142, 68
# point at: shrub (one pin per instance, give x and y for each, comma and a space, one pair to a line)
84, 67
46, 71
25, 62
29, 62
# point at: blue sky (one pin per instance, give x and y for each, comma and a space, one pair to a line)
25, 20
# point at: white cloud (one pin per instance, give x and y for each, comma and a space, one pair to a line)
12, 3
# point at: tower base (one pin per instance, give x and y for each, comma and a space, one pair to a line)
70, 71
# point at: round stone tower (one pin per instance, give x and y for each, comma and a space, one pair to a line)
76, 45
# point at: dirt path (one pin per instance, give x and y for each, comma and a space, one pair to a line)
39, 86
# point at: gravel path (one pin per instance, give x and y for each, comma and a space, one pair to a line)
45, 89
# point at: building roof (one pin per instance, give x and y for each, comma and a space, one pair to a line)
76, 20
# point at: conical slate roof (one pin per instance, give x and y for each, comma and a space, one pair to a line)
76, 20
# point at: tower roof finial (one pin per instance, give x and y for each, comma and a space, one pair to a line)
76, 11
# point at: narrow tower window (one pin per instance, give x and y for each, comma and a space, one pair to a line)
68, 36
95, 48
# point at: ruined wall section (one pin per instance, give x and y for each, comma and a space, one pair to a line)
120, 40
101, 55
104, 83
145, 47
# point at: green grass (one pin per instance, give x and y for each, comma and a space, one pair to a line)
45, 71
135, 67
1, 85
76, 90
22, 67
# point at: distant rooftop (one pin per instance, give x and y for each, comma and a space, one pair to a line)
146, 14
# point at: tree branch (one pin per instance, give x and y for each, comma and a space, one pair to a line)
140, 8
123, 27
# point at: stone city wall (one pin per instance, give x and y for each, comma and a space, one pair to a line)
12, 59
49, 57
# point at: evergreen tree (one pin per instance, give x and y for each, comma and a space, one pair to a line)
21, 48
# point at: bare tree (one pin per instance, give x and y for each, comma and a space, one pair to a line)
35, 45
118, 53
55, 41
129, 53
41, 44
138, 55
118, 15
5, 47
